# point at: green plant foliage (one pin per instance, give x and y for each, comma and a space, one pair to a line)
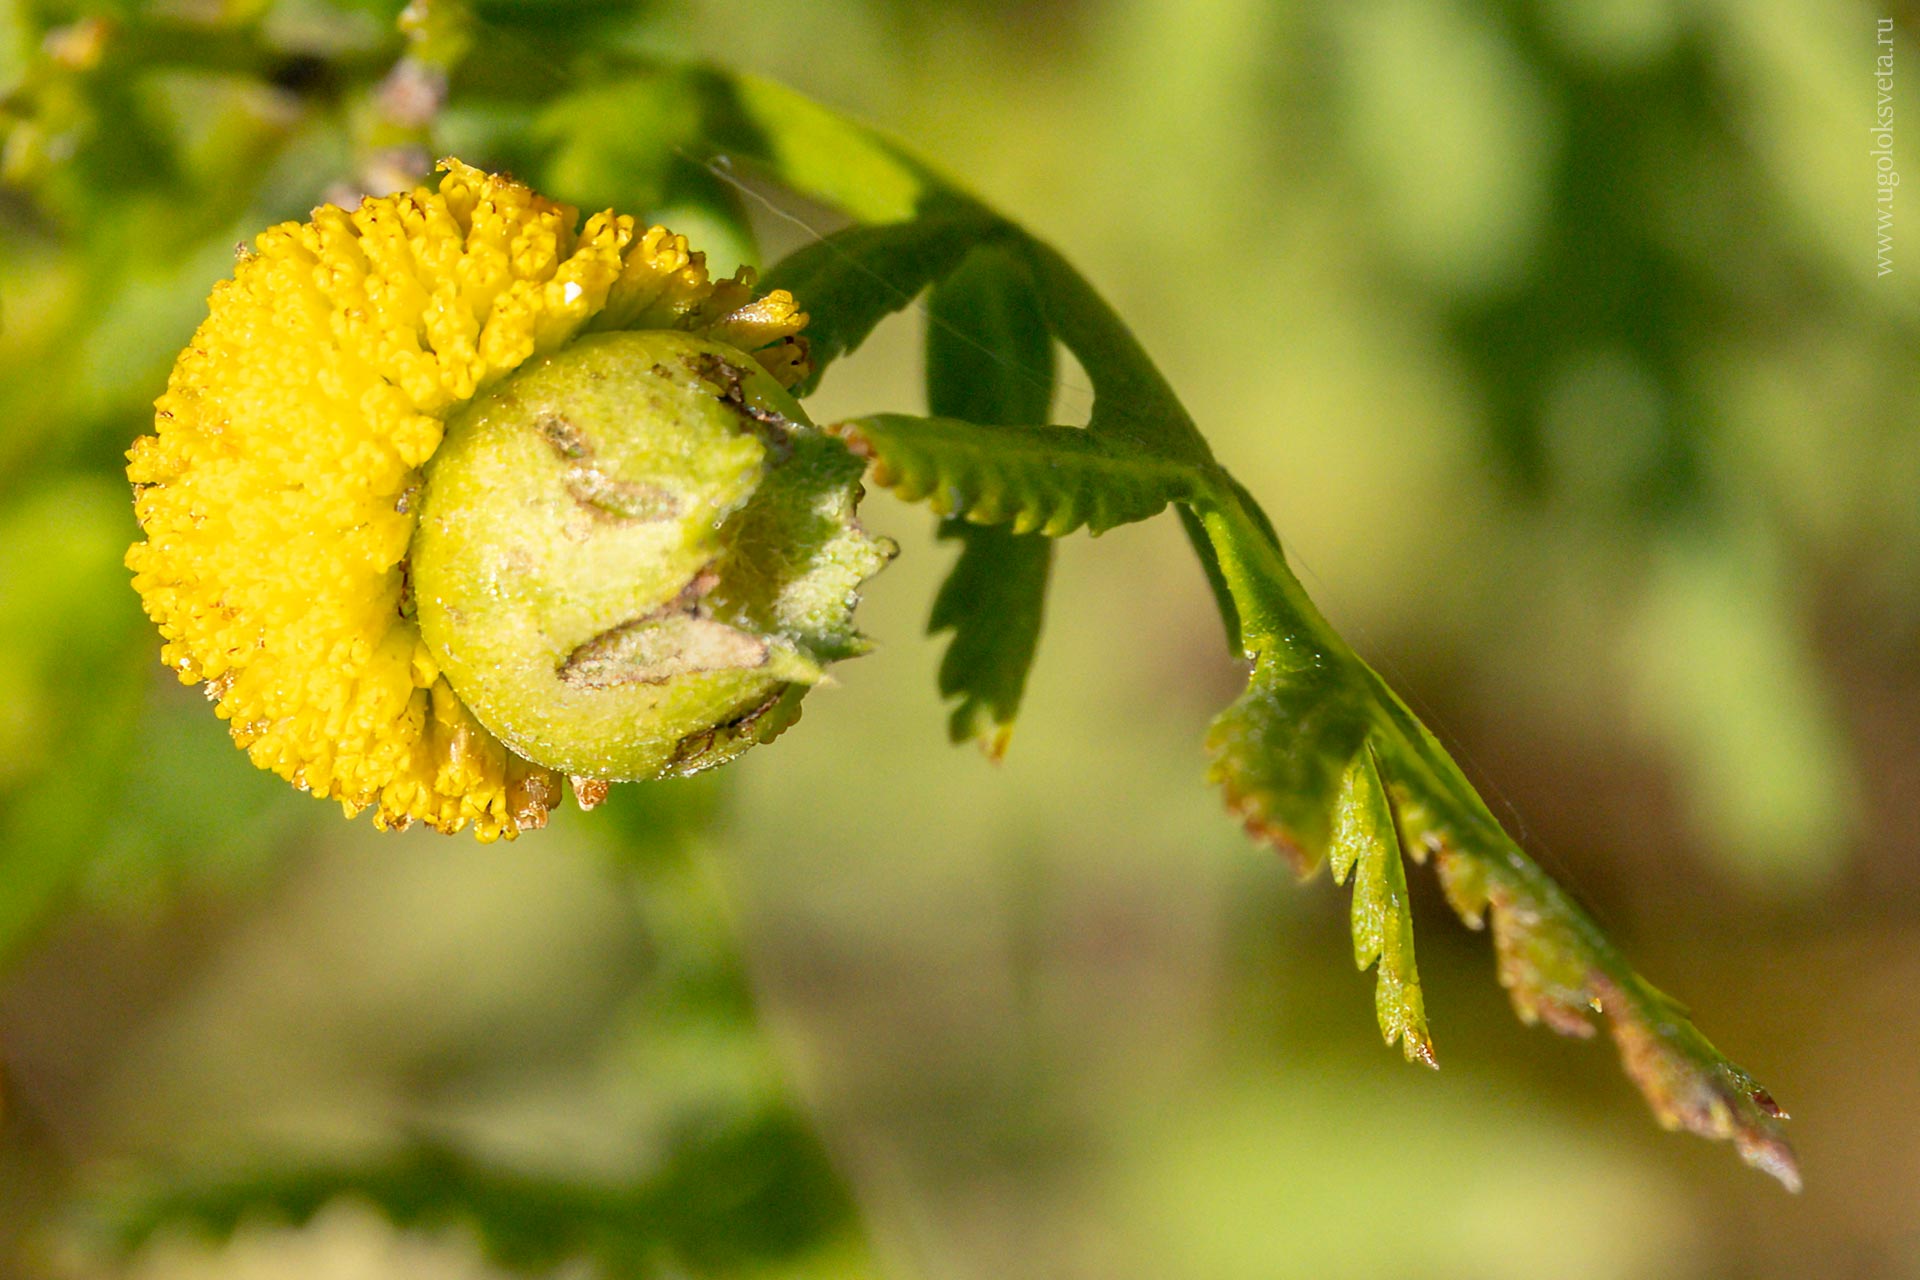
1304, 754
1051, 480
748, 1195
992, 602
1365, 841
1318, 730
236, 121
1287, 755
990, 359
1131, 401
75, 658
737, 1183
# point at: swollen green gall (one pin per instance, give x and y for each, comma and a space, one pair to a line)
635, 555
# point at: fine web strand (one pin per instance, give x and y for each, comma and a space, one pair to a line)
1481, 778
720, 165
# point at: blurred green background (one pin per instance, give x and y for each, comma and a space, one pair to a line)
1549, 331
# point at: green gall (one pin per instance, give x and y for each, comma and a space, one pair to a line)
635, 555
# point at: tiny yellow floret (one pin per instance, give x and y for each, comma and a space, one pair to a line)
278, 492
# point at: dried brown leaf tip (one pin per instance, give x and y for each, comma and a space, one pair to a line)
1316, 773
1689, 1086
1560, 971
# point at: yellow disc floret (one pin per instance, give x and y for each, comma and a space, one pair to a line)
278, 492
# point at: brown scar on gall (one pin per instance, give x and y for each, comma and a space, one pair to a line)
673, 640
609, 497
692, 747
774, 430
566, 439
605, 496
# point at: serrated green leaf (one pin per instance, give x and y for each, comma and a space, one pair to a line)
1051, 480
1294, 754
989, 359
992, 602
1312, 705
1284, 754
1288, 741
1366, 843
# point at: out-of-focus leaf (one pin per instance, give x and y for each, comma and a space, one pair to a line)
660, 824
1771, 778
190, 810
1284, 753
634, 144
733, 1183
1053, 480
73, 646
819, 152
655, 836
138, 322
751, 1195
989, 359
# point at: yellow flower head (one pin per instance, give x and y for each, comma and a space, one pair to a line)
279, 491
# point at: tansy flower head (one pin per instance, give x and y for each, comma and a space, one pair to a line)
637, 551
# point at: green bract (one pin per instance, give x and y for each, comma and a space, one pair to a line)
635, 555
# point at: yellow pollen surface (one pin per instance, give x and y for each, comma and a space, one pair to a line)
276, 493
